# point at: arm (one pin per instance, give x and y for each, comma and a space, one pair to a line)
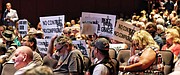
51, 46
146, 59
15, 16
176, 6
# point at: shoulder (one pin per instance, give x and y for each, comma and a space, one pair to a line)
12, 10
100, 69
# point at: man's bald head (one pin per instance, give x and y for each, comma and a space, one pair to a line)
23, 56
27, 50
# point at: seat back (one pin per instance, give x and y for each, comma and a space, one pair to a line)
123, 56
112, 53
8, 69
87, 62
167, 56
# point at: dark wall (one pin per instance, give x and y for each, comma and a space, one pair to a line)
33, 9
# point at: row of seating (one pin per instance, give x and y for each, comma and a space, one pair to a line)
122, 57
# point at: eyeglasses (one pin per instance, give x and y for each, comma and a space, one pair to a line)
65, 33
24, 40
61, 47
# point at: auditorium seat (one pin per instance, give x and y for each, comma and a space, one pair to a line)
112, 53
8, 69
49, 62
167, 56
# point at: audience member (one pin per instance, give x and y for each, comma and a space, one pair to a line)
68, 61
30, 41
8, 38
172, 42
23, 60
2, 29
144, 62
40, 70
103, 65
152, 28
169, 5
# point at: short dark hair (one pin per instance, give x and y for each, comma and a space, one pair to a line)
31, 38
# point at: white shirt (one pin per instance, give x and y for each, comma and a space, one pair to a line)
100, 69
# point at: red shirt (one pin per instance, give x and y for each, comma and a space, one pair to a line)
175, 49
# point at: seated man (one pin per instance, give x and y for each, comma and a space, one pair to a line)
68, 61
30, 41
103, 65
23, 60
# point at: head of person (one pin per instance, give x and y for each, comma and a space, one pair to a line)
63, 45
39, 27
172, 35
8, 37
32, 31
23, 56
30, 41
40, 70
160, 29
101, 47
73, 22
3, 49
1, 30
67, 32
178, 22
141, 25
8, 6
160, 21
142, 39
151, 28
173, 21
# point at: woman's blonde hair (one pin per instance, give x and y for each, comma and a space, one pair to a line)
175, 34
144, 39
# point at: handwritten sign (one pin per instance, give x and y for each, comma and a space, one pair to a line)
52, 25
23, 27
106, 22
124, 31
81, 45
42, 45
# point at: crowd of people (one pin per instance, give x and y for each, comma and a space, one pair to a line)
159, 30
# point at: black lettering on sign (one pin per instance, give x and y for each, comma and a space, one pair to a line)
22, 32
107, 25
43, 43
53, 30
121, 35
124, 28
57, 22
43, 49
47, 37
21, 27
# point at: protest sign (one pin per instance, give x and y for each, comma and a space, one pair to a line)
90, 25
42, 45
81, 45
106, 22
118, 46
124, 31
52, 25
23, 27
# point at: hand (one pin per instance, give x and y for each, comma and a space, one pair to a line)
53, 38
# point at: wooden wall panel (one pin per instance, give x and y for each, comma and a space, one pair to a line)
33, 9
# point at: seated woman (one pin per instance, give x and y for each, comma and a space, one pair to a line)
172, 42
144, 61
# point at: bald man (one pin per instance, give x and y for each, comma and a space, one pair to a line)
23, 60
